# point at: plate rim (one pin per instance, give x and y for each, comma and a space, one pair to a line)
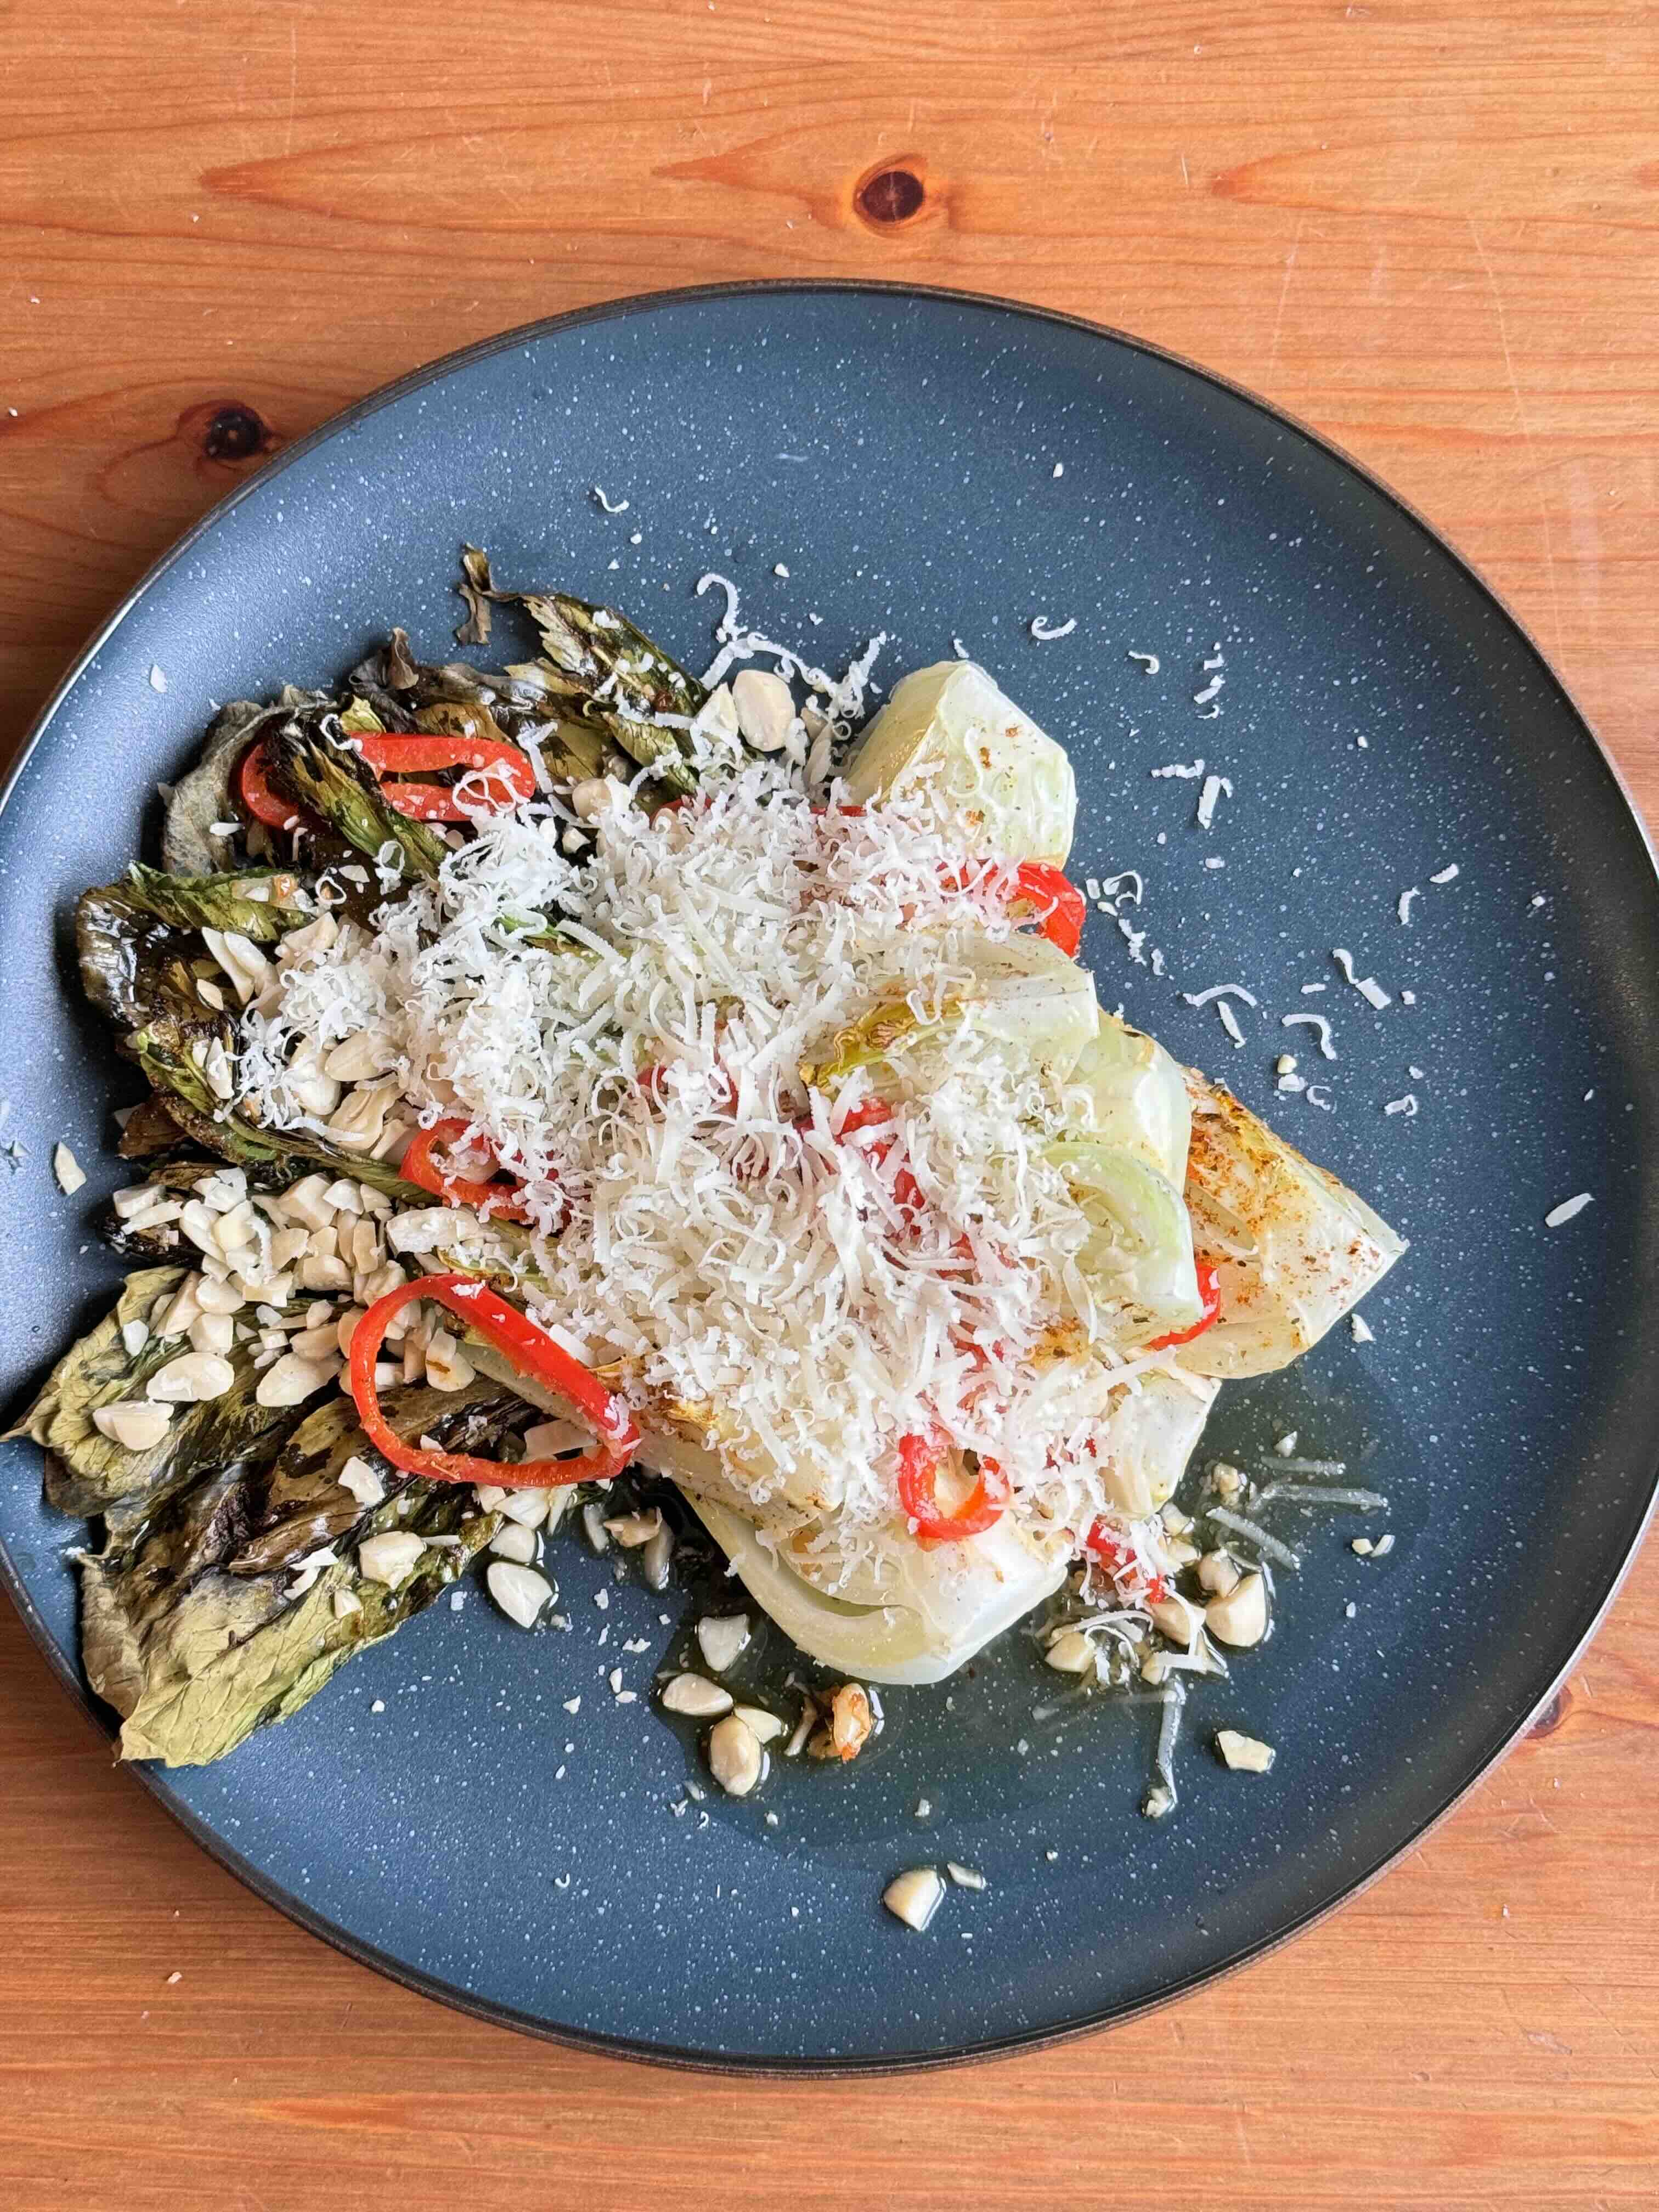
1489, 1754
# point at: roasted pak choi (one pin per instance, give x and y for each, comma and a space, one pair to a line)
572, 1066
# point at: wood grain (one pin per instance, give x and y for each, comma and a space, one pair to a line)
1433, 233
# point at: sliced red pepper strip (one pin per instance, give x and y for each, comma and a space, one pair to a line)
919, 1458
1209, 1292
512, 780
262, 802
531, 1350
502, 1202
1061, 907
393, 754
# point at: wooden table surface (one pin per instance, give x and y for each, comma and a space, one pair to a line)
1429, 231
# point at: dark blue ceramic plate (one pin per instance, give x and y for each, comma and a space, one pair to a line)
940, 466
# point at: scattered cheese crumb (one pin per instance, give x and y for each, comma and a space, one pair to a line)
1215, 787
1360, 1329
610, 506
1445, 875
1568, 1209
1060, 469
1403, 904
1187, 774
158, 681
1149, 661
68, 1170
1407, 1105
778, 568
379, 1705
1367, 986
1318, 1023
1045, 632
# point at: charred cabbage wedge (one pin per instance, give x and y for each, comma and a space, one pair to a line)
1294, 1249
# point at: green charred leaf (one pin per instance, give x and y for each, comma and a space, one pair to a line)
195, 1656
599, 668
262, 904
401, 673
182, 1049
87, 1472
337, 785
271, 1156
140, 942
299, 1503
124, 954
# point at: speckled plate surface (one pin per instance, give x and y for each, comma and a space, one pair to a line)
938, 467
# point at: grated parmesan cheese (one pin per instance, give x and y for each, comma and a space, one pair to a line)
1318, 1023
1367, 986
719, 1238
1214, 788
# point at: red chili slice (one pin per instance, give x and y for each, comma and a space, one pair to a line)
1061, 907
509, 778
907, 1191
262, 802
1115, 1555
919, 1459
1209, 1291
503, 1202
531, 1350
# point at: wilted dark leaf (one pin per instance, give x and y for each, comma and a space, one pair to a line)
196, 1657
150, 1132
475, 587
400, 673
206, 796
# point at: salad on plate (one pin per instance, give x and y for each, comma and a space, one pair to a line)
576, 1084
